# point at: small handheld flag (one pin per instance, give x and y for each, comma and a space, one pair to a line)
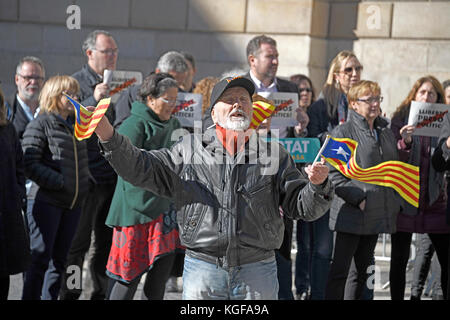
86, 121
401, 176
261, 111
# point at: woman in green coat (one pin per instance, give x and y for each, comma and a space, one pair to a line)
145, 232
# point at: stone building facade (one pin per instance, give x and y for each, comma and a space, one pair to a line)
397, 41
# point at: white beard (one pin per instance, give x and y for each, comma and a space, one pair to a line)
236, 125
241, 124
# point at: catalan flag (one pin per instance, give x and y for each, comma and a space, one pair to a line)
401, 176
86, 121
261, 111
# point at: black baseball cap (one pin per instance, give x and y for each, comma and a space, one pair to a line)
227, 83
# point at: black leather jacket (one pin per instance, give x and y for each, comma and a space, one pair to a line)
228, 206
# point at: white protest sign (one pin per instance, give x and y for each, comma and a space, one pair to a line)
188, 108
427, 118
285, 103
120, 80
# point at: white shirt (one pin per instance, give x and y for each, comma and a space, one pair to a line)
260, 87
27, 109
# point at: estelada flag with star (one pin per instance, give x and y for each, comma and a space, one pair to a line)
86, 121
401, 176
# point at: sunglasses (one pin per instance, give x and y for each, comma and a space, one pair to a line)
349, 70
300, 90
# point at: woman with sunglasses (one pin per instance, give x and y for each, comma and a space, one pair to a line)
145, 236
331, 107
430, 216
361, 211
57, 164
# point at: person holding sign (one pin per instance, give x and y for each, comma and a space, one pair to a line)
430, 216
361, 211
58, 163
101, 52
228, 203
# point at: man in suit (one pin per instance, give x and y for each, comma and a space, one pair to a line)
24, 105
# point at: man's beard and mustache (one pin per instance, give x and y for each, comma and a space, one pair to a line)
31, 95
240, 124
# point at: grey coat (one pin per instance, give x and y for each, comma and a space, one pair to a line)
382, 203
228, 208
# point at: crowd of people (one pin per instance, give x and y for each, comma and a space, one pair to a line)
141, 203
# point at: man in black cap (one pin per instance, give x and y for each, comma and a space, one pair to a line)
228, 185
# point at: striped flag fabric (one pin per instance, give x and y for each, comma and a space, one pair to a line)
401, 176
261, 111
86, 121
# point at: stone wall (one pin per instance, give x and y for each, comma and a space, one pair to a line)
309, 34
400, 41
215, 32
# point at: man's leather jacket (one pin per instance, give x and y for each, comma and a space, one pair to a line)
228, 206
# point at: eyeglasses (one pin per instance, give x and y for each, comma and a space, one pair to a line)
110, 52
308, 90
168, 101
371, 100
349, 70
29, 78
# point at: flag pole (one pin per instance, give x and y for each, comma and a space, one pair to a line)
322, 148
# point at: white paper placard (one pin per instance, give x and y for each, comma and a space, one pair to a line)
188, 108
427, 117
286, 103
120, 80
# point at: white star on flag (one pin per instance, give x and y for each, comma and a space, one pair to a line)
342, 152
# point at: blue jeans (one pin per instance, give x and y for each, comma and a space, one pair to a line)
51, 232
207, 281
314, 253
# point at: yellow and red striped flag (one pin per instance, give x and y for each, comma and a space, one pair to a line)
261, 111
86, 121
401, 176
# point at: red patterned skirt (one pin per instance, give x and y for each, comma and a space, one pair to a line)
135, 249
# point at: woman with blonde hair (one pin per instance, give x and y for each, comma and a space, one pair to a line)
331, 107
14, 248
361, 211
57, 164
429, 217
